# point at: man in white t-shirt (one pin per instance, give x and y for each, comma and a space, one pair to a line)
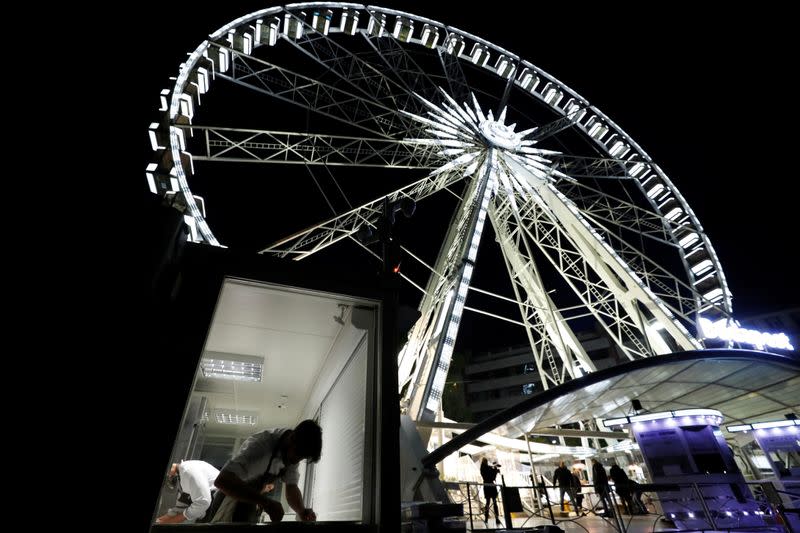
263, 458
194, 481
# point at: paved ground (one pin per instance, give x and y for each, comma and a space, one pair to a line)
592, 524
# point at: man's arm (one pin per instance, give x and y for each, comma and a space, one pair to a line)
196, 485
232, 486
295, 499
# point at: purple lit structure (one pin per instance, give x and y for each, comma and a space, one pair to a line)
687, 448
780, 442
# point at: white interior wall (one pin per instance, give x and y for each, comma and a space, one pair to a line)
342, 348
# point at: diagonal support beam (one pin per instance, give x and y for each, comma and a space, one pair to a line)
547, 329
604, 281
437, 334
311, 240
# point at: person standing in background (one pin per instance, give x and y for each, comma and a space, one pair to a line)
489, 473
622, 485
563, 478
600, 479
577, 487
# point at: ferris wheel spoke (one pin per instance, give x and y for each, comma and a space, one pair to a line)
315, 238
622, 213
706, 286
261, 146
591, 167
454, 73
284, 84
553, 128
347, 66
602, 208
605, 206
358, 73
362, 71
411, 77
683, 299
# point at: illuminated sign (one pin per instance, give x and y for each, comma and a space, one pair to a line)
731, 332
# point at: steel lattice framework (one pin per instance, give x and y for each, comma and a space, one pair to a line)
566, 191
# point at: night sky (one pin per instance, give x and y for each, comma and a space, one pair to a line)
706, 94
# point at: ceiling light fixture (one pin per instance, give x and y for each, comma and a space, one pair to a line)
232, 366
226, 416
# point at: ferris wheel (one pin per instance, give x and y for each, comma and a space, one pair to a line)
373, 99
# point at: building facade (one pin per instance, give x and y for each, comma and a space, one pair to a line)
496, 380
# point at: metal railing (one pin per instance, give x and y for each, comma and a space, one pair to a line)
675, 507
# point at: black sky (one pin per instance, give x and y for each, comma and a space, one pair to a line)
708, 94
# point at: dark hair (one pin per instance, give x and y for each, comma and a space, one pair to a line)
308, 440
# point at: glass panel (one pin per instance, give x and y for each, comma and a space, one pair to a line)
273, 357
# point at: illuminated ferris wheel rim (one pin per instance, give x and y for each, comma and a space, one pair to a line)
684, 229
637, 153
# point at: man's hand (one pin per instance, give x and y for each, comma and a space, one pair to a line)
273, 508
308, 515
171, 518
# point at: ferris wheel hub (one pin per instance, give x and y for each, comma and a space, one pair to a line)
499, 135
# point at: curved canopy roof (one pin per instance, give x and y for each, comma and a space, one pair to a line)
745, 385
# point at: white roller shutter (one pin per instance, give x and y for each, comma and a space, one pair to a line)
338, 486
